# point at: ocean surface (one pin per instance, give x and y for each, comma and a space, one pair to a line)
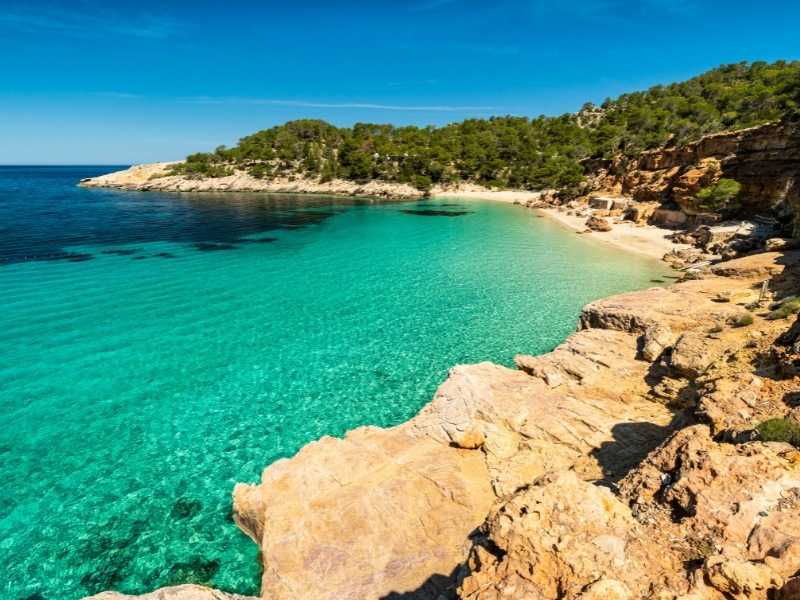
157, 348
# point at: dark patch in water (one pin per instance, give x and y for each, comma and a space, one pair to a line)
657, 281
126, 252
50, 215
165, 255
266, 240
672, 276
197, 571
70, 256
139, 257
185, 509
438, 205
34, 596
209, 247
437, 213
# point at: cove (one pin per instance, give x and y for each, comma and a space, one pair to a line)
157, 348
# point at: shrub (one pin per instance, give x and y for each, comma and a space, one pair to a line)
422, 182
718, 196
744, 321
787, 306
780, 430
716, 329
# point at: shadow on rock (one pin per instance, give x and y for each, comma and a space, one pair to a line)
631, 445
435, 587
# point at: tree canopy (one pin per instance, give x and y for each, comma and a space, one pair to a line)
512, 151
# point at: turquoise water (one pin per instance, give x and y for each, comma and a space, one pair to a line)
145, 375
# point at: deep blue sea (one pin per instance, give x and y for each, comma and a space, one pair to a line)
156, 348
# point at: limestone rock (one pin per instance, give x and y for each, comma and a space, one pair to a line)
729, 404
377, 512
384, 510
717, 491
742, 579
763, 159
780, 244
657, 338
596, 223
180, 592
559, 534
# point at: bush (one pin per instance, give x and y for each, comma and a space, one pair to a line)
787, 306
780, 430
744, 321
718, 196
716, 329
422, 182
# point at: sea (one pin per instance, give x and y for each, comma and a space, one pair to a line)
156, 348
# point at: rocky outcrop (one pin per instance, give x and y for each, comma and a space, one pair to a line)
393, 511
764, 159
624, 464
153, 177
413, 494
180, 592
698, 520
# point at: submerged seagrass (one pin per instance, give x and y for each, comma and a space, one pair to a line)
160, 347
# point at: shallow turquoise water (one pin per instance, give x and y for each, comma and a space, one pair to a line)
134, 392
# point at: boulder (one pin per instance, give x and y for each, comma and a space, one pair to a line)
559, 534
780, 244
596, 223
657, 338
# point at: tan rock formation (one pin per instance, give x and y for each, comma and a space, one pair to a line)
151, 177
559, 538
598, 223
180, 592
763, 159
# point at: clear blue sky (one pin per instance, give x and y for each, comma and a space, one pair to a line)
90, 82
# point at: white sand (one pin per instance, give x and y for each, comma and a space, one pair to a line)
477, 194
645, 240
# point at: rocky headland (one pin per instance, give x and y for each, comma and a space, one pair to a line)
627, 463
156, 177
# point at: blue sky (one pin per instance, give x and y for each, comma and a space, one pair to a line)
88, 82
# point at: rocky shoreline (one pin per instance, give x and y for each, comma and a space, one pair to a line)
624, 464
152, 177
630, 462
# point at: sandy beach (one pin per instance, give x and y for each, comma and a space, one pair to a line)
476, 193
645, 240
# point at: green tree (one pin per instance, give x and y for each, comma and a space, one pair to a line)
718, 196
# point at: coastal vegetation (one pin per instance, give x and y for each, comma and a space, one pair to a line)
513, 151
780, 430
718, 196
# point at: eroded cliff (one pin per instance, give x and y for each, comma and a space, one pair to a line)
764, 159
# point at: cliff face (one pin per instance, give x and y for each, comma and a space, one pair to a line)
765, 160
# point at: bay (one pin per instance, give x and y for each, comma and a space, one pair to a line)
157, 348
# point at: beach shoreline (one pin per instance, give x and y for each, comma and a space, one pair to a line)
643, 240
